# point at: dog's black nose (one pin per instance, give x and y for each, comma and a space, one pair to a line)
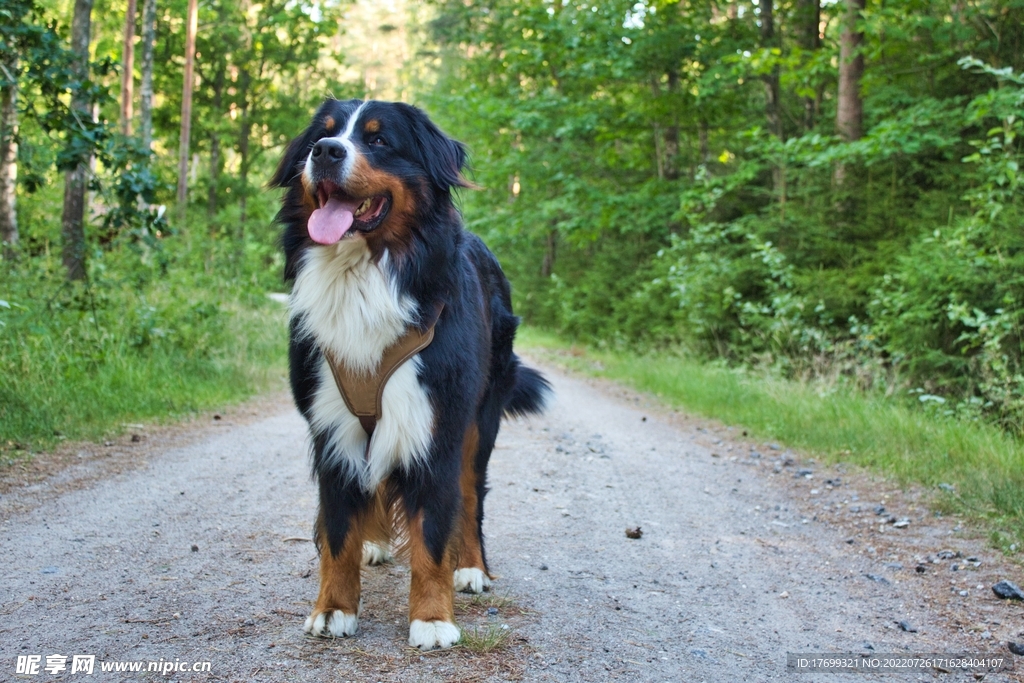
328, 151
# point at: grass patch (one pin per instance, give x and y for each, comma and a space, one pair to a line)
490, 600
152, 344
56, 396
983, 464
491, 638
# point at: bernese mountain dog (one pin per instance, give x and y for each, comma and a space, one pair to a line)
378, 256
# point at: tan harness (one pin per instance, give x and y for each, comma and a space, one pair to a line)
363, 391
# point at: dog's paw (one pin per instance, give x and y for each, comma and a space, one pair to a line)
332, 622
374, 553
471, 580
427, 635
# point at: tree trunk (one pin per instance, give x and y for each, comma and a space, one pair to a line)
211, 198
215, 163
666, 139
849, 108
702, 141
72, 228
9, 161
771, 79
659, 153
245, 129
808, 21
73, 216
128, 68
671, 143
243, 168
547, 266
772, 110
186, 107
146, 89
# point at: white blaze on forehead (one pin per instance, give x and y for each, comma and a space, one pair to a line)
345, 138
346, 141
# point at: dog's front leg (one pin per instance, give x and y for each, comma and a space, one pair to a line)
432, 559
339, 538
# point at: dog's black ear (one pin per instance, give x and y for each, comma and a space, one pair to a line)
290, 166
441, 157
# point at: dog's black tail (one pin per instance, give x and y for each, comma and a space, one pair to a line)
530, 393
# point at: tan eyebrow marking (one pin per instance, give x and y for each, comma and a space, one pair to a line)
372, 126
329, 123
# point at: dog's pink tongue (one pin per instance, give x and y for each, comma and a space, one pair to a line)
328, 223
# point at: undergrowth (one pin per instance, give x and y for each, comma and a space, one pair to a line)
158, 330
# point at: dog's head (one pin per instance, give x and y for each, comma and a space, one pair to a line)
369, 170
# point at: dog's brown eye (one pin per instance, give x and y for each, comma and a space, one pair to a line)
378, 141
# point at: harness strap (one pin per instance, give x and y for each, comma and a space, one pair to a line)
363, 391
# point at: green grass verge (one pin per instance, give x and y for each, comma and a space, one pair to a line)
984, 465
52, 392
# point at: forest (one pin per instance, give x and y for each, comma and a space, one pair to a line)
827, 191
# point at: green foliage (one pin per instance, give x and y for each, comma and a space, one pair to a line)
634, 187
152, 334
172, 316
952, 307
637, 198
132, 195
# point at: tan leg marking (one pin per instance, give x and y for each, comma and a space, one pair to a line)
470, 576
337, 606
431, 595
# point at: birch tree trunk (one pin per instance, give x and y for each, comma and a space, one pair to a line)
127, 69
243, 166
244, 131
73, 215
9, 161
146, 88
186, 107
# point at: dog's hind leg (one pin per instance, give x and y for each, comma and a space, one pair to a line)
339, 538
376, 553
471, 572
377, 530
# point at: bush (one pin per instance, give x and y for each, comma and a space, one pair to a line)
163, 326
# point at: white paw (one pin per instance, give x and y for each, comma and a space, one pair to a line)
471, 580
333, 622
426, 635
374, 553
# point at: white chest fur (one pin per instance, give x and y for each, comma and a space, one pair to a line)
351, 305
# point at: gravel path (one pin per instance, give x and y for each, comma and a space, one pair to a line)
203, 555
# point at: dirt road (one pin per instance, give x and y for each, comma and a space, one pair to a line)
201, 554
